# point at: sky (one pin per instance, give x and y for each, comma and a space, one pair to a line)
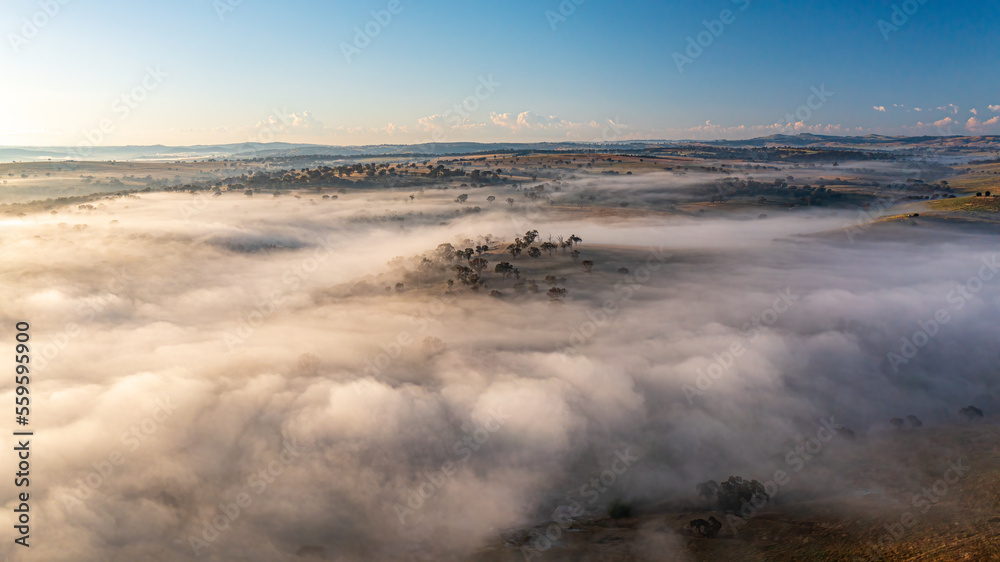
187, 72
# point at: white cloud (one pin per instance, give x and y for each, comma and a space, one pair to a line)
976, 126
710, 131
390, 129
303, 122
995, 108
942, 127
879, 108
529, 120
433, 122
973, 111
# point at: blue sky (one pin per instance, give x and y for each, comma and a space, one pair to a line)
113, 72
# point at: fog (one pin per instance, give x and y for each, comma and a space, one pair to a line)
200, 352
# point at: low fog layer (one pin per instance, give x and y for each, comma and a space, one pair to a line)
209, 352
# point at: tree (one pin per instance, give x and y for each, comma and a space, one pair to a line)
588, 266
491, 199
534, 252
971, 413
708, 529
504, 268
445, 252
248, 193
574, 239
734, 493
623, 270
510, 201
548, 247
555, 293
464, 274
514, 250
462, 198
530, 237
620, 510
575, 254
400, 287
479, 264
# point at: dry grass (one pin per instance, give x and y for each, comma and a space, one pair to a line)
968, 204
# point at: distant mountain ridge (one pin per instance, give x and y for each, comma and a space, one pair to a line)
283, 149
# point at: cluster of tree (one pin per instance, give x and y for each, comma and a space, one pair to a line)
708, 529
773, 153
471, 267
735, 493
21, 209
919, 185
732, 496
525, 243
778, 189
971, 413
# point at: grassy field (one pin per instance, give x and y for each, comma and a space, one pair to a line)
871, 516
975, 178
971, 204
